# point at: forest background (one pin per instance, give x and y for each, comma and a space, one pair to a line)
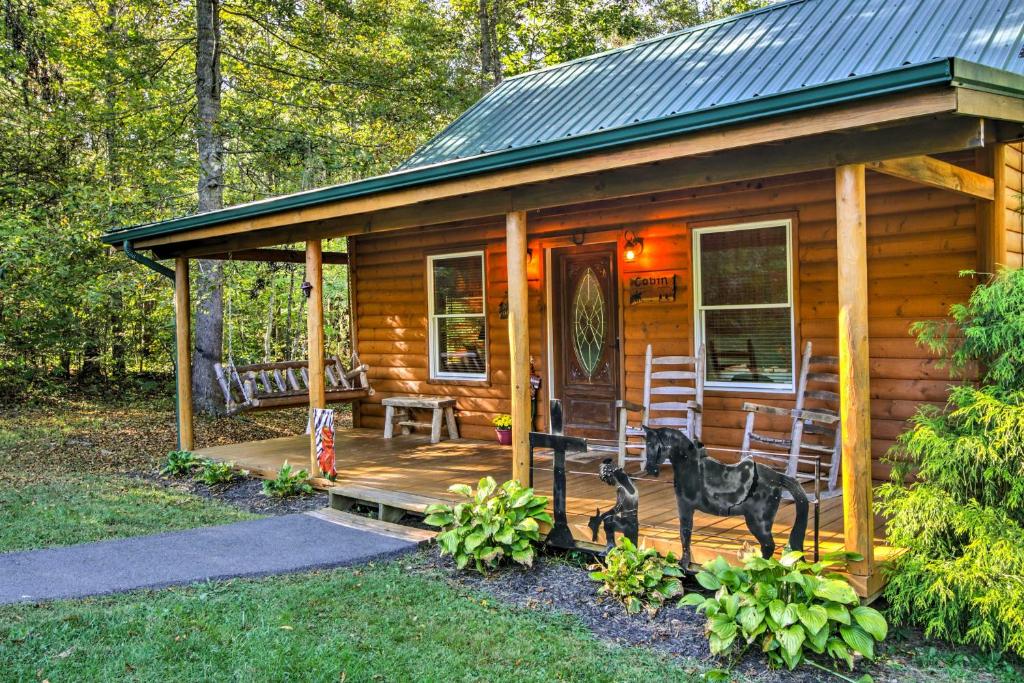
121, 112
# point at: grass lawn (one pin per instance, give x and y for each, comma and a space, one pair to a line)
65, 467
77, 509
379, 622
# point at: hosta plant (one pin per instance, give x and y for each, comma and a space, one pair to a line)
179, 463
213, 472
289, 482
639, 578
787, 608
492, 524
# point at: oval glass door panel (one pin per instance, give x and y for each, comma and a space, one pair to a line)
588, 321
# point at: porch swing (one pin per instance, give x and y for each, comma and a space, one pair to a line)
284, 384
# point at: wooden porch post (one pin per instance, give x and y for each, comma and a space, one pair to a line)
999, 206
854, 369
519, 343
991, 215
183, 347
315, 336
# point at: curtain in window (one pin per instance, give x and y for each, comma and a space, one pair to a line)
458, 329
745, 306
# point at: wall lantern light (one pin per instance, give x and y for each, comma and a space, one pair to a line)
634, 245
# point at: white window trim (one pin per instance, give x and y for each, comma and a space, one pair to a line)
699, 308
432, 318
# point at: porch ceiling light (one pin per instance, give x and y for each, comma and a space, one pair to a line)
634, 245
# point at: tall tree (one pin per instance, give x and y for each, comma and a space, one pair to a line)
209, 278
490, 59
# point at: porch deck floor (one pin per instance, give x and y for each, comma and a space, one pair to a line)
411, 464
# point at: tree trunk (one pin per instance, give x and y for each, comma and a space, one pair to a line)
490, 60
209, 280
118, 345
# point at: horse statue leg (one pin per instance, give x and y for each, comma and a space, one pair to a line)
685, 532
609, 531
761, 528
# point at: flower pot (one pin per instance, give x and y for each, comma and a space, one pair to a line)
504, 436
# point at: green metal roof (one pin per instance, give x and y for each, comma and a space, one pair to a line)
790, 56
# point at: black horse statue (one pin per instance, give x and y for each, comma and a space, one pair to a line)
746, 488
623, 518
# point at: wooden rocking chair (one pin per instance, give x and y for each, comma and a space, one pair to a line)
263, 386
678, 377
814, 426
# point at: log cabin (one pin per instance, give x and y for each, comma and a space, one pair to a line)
815, 171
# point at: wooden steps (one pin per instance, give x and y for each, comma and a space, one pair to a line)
391, 505
405, 533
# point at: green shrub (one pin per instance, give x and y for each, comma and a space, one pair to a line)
639, 578
213, 472
493, 524
788, 608
961, 517
288, 483
179, 463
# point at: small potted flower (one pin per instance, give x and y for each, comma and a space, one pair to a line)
503, 428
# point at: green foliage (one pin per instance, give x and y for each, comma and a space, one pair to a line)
502, 422
214, 472
639, 578
986, 333
492, 524
289, 482
961, 516
180, 463
789, 608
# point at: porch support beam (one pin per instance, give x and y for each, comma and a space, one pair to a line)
315, 335
519, 343
183, 348
278, 256
926, 170
854, 372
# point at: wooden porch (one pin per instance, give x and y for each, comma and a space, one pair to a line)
412, 465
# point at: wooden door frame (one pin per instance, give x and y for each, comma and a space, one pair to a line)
566, 241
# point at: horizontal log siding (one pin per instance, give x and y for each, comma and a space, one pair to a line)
918, 240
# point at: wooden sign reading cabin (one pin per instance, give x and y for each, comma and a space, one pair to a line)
655, 287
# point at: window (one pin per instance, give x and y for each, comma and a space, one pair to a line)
744, 305
458, 326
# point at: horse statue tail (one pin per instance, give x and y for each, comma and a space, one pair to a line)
796, 536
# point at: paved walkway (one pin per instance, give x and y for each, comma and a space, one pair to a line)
274, 545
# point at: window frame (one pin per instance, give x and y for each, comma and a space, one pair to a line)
432, 318
699, 308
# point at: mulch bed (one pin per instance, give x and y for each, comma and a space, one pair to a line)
245, 493
559, 584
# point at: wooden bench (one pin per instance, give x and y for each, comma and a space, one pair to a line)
391, 505
399, 409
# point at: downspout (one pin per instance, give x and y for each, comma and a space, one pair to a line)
130, 252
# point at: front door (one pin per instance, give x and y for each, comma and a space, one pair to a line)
586, 338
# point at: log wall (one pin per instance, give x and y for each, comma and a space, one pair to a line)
918, 240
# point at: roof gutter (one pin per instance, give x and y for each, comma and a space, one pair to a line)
916, 76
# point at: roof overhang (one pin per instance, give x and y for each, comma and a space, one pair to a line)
943, 89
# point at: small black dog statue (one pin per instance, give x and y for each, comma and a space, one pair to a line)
746, 488
622, 518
